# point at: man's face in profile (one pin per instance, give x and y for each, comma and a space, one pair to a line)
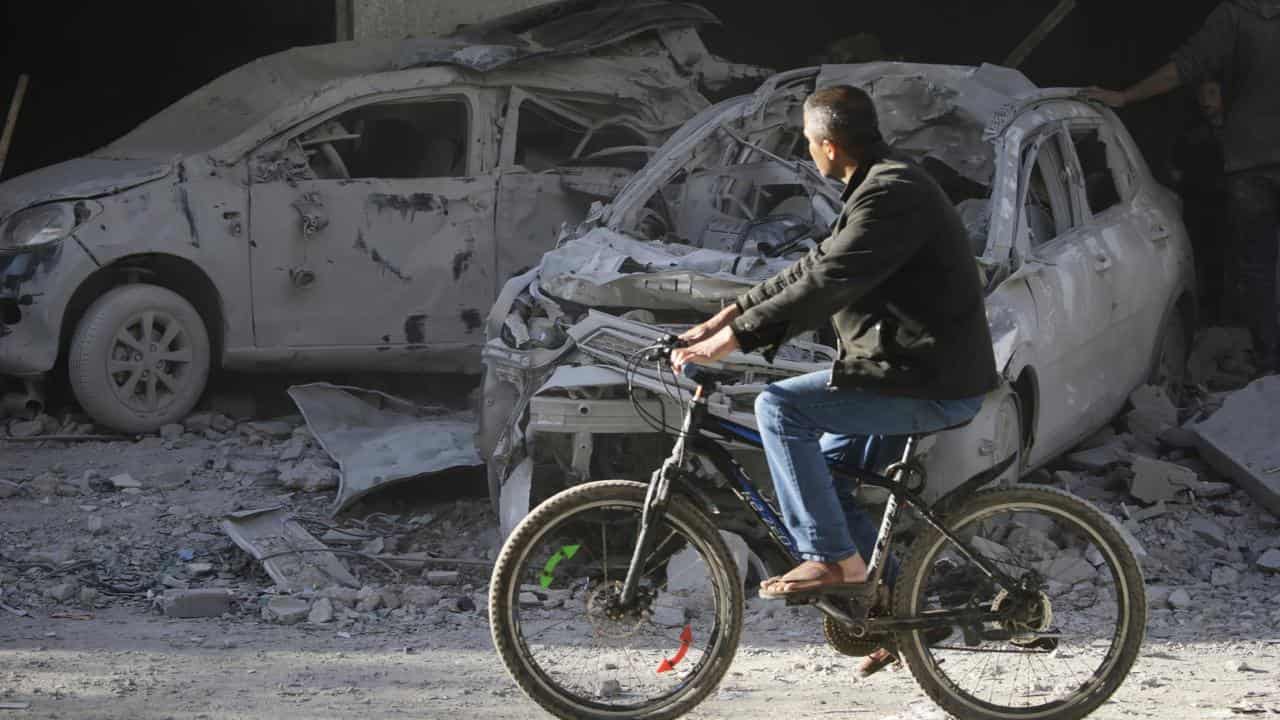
820, 148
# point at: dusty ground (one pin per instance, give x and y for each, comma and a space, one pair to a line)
80, 558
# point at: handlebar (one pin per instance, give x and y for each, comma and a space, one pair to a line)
661, 352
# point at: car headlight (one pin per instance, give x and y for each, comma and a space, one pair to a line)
44, 224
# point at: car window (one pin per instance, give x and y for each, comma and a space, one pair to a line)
1046, 194
1104, 166
545, 139
392, 140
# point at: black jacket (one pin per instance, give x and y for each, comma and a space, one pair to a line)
898, 281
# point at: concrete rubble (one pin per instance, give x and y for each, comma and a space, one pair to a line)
1242, 440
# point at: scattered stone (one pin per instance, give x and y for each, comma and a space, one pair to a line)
204, 602
368, 599
309, 476
9, 489
668, 616
1097, 459
463, 604
171, 432
1158, 595
1156, 480
422, 596
1269, 561
342, 596
236, 405
1245, 667
169, 477
271, 428
528, 599
252, 466
94, 524
1210, 531
1179, 599
1180, 438
391, 599
293, 449
1069, 570
89, 597
1224, 576
63, 592
199, 568
286, 610
46, 485
125, 481
441, 577
26, 428
610, 689
321, 612
1239, 441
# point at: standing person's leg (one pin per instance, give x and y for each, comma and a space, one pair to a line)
793, 415
1254, 198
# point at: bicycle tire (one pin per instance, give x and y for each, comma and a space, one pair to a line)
916, 569
504, 591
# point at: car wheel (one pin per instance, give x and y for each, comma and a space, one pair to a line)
139, 358
1170, 370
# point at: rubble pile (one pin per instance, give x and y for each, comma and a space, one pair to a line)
140, 523
1208, 549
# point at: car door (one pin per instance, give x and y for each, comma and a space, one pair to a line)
1134, 233
372, 226
1066, 269
556, 160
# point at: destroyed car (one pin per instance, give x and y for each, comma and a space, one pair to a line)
347, 206
1087, 271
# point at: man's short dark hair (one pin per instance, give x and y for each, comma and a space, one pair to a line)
844, 115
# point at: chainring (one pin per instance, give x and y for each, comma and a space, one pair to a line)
843, 642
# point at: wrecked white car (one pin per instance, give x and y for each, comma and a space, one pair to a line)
1087, 266
348, 206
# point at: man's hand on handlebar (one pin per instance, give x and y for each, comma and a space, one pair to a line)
718, 345
718, 322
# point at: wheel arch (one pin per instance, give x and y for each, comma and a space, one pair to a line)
171, 272
1026, 390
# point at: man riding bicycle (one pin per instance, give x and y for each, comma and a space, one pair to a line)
897, 280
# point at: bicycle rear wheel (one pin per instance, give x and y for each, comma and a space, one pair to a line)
568, 641
1068, 633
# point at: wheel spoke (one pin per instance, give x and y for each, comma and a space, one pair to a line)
126, 338
153, 398
148, 326
167, 380
172, 330
182, 355
131, 384
115, 367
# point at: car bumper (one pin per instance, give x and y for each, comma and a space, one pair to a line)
34, 289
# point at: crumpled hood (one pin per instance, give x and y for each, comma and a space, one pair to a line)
83, 177
605, 268
1266, 8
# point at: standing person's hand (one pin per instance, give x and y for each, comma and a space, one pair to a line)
1112, 98
713, 348
718, 322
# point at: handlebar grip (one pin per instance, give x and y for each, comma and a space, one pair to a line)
696, 374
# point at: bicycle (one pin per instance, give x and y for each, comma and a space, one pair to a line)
1029, 575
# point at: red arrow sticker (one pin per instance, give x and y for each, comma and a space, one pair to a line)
686, 639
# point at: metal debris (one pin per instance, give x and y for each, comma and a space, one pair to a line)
290, 555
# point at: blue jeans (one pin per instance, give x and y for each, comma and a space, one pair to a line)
802, 422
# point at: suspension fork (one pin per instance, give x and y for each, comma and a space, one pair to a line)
657, 497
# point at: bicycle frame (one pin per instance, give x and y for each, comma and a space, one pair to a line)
699, 421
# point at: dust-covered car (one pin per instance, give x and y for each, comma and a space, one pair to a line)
1087, 268
347, 206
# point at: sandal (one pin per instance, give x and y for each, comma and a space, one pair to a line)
883, 658
828, 580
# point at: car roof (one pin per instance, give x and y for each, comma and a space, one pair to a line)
519, 43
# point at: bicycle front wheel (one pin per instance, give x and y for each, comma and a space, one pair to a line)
574, 647
1068, 631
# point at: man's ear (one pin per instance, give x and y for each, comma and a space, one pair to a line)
829, 149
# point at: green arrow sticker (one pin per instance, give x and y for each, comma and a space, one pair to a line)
548, 572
